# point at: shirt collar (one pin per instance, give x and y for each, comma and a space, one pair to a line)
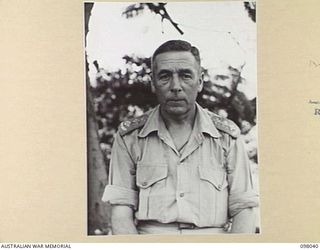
203, 123
152, 124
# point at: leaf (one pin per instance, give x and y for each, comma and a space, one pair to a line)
251, 9
133, 10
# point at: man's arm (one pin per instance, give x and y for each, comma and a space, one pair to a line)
122, 220
244, 221
242, 195
121, 190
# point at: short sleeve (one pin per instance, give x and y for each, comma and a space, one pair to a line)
121, 188
242, 194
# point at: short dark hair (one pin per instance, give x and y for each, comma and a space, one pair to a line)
177, 45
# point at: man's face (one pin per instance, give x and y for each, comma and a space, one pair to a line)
177, 80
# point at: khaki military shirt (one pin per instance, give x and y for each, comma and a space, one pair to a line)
205, 184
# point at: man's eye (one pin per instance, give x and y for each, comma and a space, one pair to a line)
187, 76
164, 77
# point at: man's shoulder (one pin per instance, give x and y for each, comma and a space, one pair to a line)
225, 125
132, 124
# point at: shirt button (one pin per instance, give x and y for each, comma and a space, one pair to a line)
144, 183
181, 195
219, 186
132, 172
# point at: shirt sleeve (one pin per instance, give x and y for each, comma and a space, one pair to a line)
242, 193
121, 188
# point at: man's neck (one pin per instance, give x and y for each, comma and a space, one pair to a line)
179, 120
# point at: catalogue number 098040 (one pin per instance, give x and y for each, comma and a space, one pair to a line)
309, 245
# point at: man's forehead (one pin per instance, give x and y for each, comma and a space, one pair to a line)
183, 58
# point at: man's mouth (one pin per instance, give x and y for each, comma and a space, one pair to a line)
175, 101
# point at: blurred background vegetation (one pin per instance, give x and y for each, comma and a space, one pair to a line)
125, 93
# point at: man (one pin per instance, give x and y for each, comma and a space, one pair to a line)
179, 168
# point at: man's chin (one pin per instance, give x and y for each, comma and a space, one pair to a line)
176, 110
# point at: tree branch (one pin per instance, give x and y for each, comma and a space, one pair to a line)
161, 10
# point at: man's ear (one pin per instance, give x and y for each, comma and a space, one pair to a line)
153, 89
200, 86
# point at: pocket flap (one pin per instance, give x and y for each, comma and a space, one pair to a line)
217, 177
148, 174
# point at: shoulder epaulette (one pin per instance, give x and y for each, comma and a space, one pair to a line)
132, 124
225, 125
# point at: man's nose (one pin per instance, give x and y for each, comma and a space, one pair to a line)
175, 84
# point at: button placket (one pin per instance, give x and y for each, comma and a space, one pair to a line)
180, 170
182, 178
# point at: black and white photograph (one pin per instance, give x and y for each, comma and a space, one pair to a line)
172, 141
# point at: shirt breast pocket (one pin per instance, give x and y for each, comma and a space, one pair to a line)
216, 177
151, 180
213, 193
